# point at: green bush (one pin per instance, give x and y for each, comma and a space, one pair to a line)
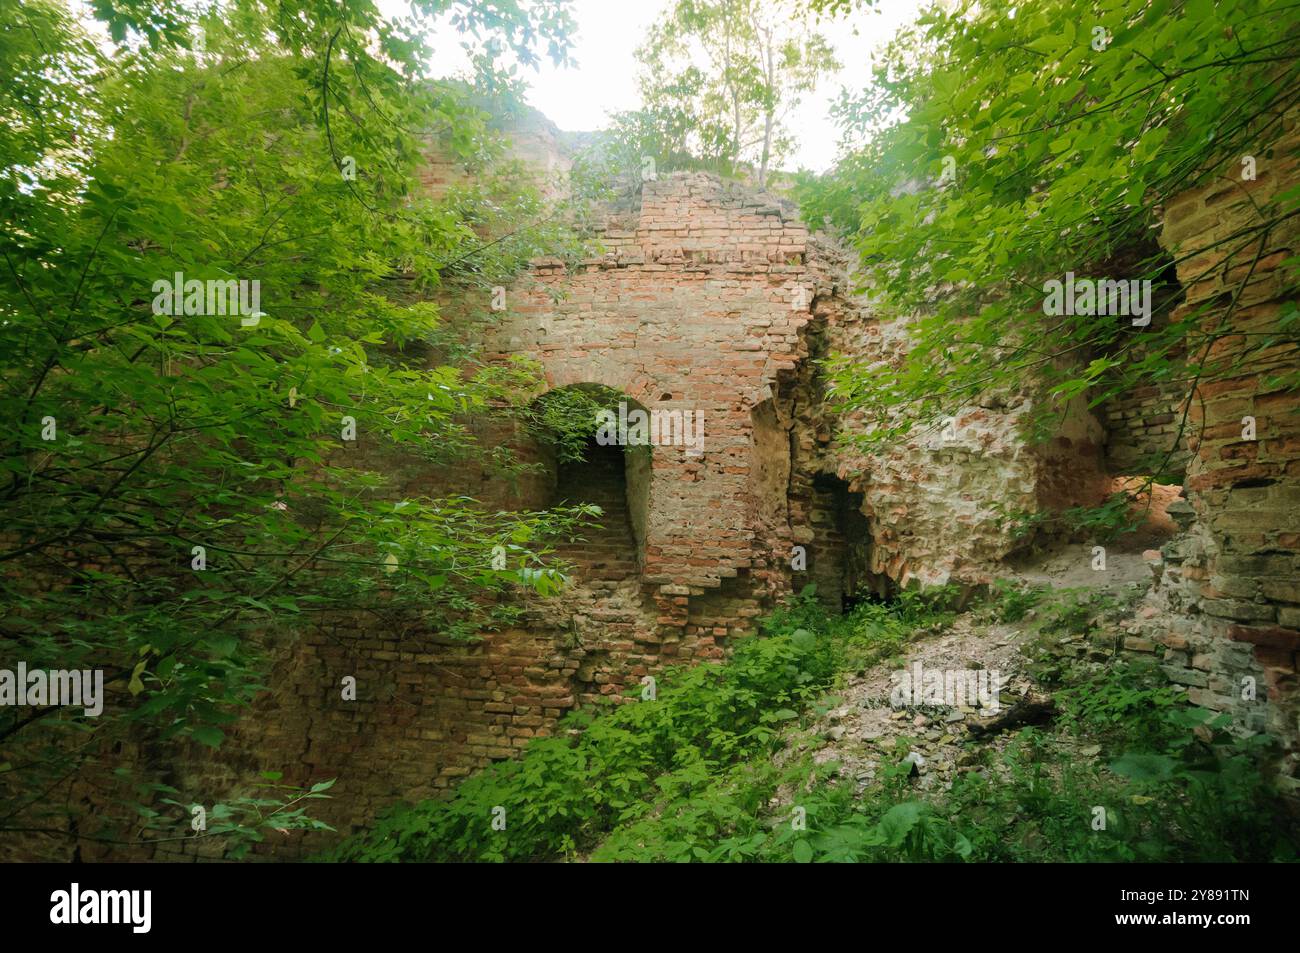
1010, 601
1128, 703
564, 792
876, 631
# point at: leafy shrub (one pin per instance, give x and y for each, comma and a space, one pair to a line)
1010, 601
1129, 702
719, 820
875, 631
934, 605
568, 417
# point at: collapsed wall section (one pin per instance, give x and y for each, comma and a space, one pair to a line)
938, 503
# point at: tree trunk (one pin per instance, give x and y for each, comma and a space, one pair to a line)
769, 113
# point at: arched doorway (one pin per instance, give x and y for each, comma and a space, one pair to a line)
590, 467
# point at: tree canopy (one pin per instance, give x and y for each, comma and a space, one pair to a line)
719, 79
183, 482
1005, 144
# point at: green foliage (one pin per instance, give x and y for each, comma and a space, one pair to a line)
569, 417
242, 821
999, 148
1167, 797
872, 634
687, 777
802, 611
668, 132
1057, 613
874, 631
698, 817
1173, 787
1069, 612
1121, 512
729, 820
929, 606
1010, 601
1124, 703
177, 489
564, 792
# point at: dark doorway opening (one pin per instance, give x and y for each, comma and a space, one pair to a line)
609, 549
840, 555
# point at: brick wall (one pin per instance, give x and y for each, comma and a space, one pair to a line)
1142, 429
1226, 618
1142, 426
692, 307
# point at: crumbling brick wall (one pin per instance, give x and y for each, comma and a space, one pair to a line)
693, 307
1229, 601
1143, 427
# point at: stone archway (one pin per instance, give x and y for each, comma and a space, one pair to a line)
589, 469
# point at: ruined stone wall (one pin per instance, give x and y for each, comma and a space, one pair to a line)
936, 500
691, 308
710, 297
1226, 618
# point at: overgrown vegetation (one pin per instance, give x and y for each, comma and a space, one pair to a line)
189, 476
711, 770
1003, 145
603, 770
568, 418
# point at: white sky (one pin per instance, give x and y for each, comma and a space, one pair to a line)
604, 79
